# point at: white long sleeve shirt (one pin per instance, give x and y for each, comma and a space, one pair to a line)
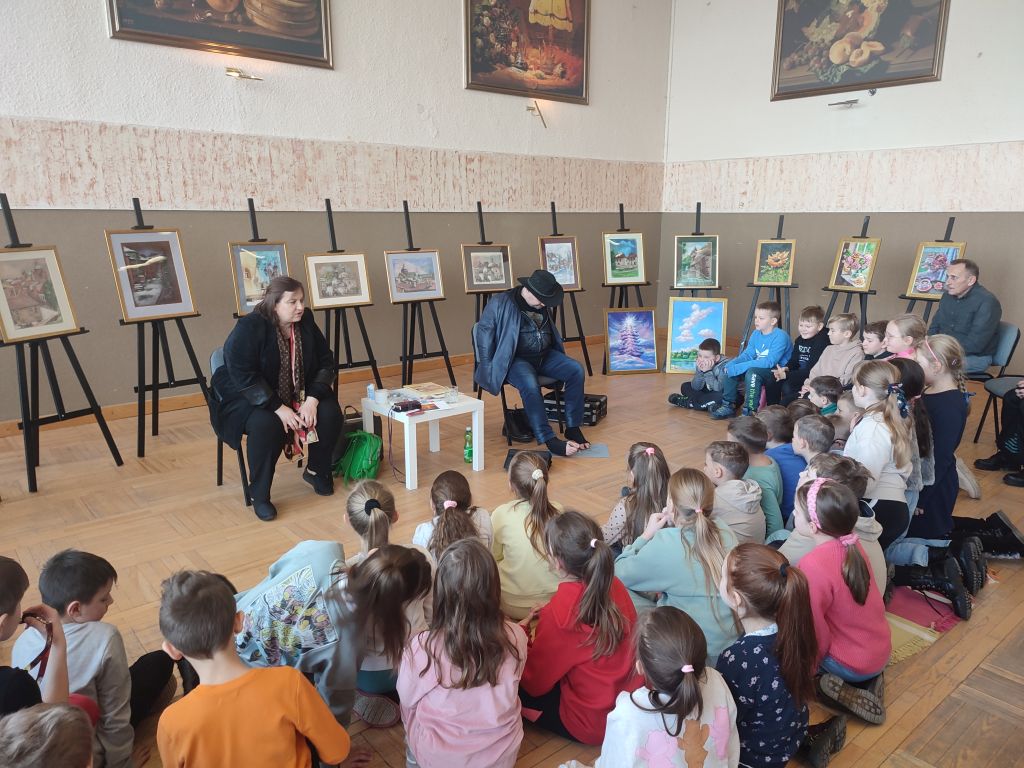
870, 443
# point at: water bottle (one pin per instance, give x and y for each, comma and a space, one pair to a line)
467, 448
371, 391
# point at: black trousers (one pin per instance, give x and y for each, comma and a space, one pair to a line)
700, 399
266, 440
149, 678
1012, 415
548, 705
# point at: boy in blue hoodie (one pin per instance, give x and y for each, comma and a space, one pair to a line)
704, 391
767, 347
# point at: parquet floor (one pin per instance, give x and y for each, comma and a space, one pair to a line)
960, 703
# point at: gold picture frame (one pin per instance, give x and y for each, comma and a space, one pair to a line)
157, 262
927, 278
855, 263
774, 263
405, 285
34, 299
635, 328
562, 262
247, 279
323, 294
623, 256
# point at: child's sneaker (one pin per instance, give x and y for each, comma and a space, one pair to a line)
748, 411
724, 411
678, 400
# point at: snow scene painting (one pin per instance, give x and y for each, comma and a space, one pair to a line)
690, 321
629, 341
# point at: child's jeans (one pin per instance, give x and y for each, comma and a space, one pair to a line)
833, 667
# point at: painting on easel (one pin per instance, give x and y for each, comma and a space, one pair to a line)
532, 48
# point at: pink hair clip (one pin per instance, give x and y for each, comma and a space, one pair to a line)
812, 500
687, 668
649, 450
848, 540
449, 504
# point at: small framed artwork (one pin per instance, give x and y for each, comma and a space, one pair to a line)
150, 274
532, 48
296, 31
855, 263
629, 340
928, 279
414, 276
691, 321
486, 268
696, 261
34, 303
558, 256
829, 46
624, 258
337, 280
253, 266
774, 262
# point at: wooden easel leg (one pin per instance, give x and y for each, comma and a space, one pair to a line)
369, 349
27, 426
346, 339
168, 363
441, 342
200, 376
94, 406
831, 306
51, 377
848, 303
579, 331
863, 310
412, 346
750, 317
928, 312
33, 394
639, 297
140, 441
786, 305
405, 341
154, 416
337, 334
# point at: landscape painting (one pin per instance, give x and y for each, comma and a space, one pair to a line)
696, 261
624, 258
414, 276
690, 321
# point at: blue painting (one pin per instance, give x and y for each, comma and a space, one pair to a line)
630, 341
691, 321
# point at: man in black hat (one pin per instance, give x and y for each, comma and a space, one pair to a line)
517, 342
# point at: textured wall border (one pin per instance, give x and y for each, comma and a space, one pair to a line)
970, 177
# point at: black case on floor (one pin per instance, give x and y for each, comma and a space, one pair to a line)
595, 408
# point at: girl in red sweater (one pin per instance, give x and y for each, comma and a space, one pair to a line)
580, 656
854, 640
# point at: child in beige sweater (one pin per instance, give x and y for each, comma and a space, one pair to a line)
843, 352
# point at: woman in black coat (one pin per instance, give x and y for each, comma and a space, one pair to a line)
276, 387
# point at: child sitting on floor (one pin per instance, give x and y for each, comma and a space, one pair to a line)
903, 334
873, 342
46, 735
648, 484
843, 353
737, 501
370, 510
767, 346
752, 435
801, 407
813, 435
808, 345
779, 424
824, 392
704, 391
454, 516
237, 715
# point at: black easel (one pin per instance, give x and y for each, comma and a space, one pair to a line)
412, 311
481, 298
160, 346
337, 318
863, 295
619, 297
779, 293
693, 292
930, 302
559, 317
28, 381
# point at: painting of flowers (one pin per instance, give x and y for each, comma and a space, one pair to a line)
774, 262
928, 279
855, 263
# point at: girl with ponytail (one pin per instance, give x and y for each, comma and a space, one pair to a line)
853, 636
882, 442
370, 508
454, 516
648, 484
684, 707
772, 601
679, 555
580, 657
518, 545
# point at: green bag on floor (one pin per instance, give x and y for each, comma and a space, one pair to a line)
362, 457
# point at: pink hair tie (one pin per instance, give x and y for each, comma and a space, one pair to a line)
687, 668
593, 543
848, 540
449, 504
812, 500
649, 450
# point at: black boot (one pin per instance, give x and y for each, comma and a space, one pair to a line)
824, 740
943, 577
970, 554
998, 460
999, 521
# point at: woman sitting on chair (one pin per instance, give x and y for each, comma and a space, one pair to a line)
276, 387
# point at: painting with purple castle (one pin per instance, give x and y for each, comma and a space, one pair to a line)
630, 340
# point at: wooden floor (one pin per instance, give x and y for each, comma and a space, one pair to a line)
960, 703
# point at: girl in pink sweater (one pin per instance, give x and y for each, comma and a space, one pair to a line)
459, 681
854, 640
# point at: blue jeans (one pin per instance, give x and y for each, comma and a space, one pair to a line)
555, 365
833, 667
911, 551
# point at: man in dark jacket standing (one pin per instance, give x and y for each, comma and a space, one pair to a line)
517, 342
970, 314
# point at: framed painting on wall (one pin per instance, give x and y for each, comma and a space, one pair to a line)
296, 31
150, 274
855, 263
691, 321
629, 340
34, 303
414, 276
337, 280
486, 268
830, 46
696, 261
928, 278
253, 266
533, 48
624, 258
774, 262
559, 257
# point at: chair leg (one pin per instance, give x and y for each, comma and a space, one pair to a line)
244, 476
984, 416
220, 462
505, 417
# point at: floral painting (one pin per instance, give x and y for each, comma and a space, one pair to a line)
630, 340
928, 279
855, 263
774, 262
691, 321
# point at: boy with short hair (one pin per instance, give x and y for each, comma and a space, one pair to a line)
737, 501
704, 391
752, 435
800, 408
779, 424
813, 435
77, 586
766, 347
843, 353
873, 343
824, 392
238, 715
808, 344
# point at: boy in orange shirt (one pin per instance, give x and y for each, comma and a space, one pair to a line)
237, 715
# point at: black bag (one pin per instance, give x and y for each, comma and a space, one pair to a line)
519, 425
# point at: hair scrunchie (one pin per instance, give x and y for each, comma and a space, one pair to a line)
686, 668
370, 505
848, 540
537, 474
901, 399
593, 543
449, 504
649, 450
784, 570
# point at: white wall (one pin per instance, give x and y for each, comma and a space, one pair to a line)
721, 74
398, 79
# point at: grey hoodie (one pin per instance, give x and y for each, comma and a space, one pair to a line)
738, 505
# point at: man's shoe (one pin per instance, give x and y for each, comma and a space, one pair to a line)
264, 510
323, 485
678, 400
1016, 479
860, 701
997, 461
824, 740
724, 411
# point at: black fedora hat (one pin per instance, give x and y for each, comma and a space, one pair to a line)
543, 285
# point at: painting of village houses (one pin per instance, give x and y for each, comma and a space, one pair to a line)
35, 302
696, 261
414, 276
624, 258
253, 267
149, 271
